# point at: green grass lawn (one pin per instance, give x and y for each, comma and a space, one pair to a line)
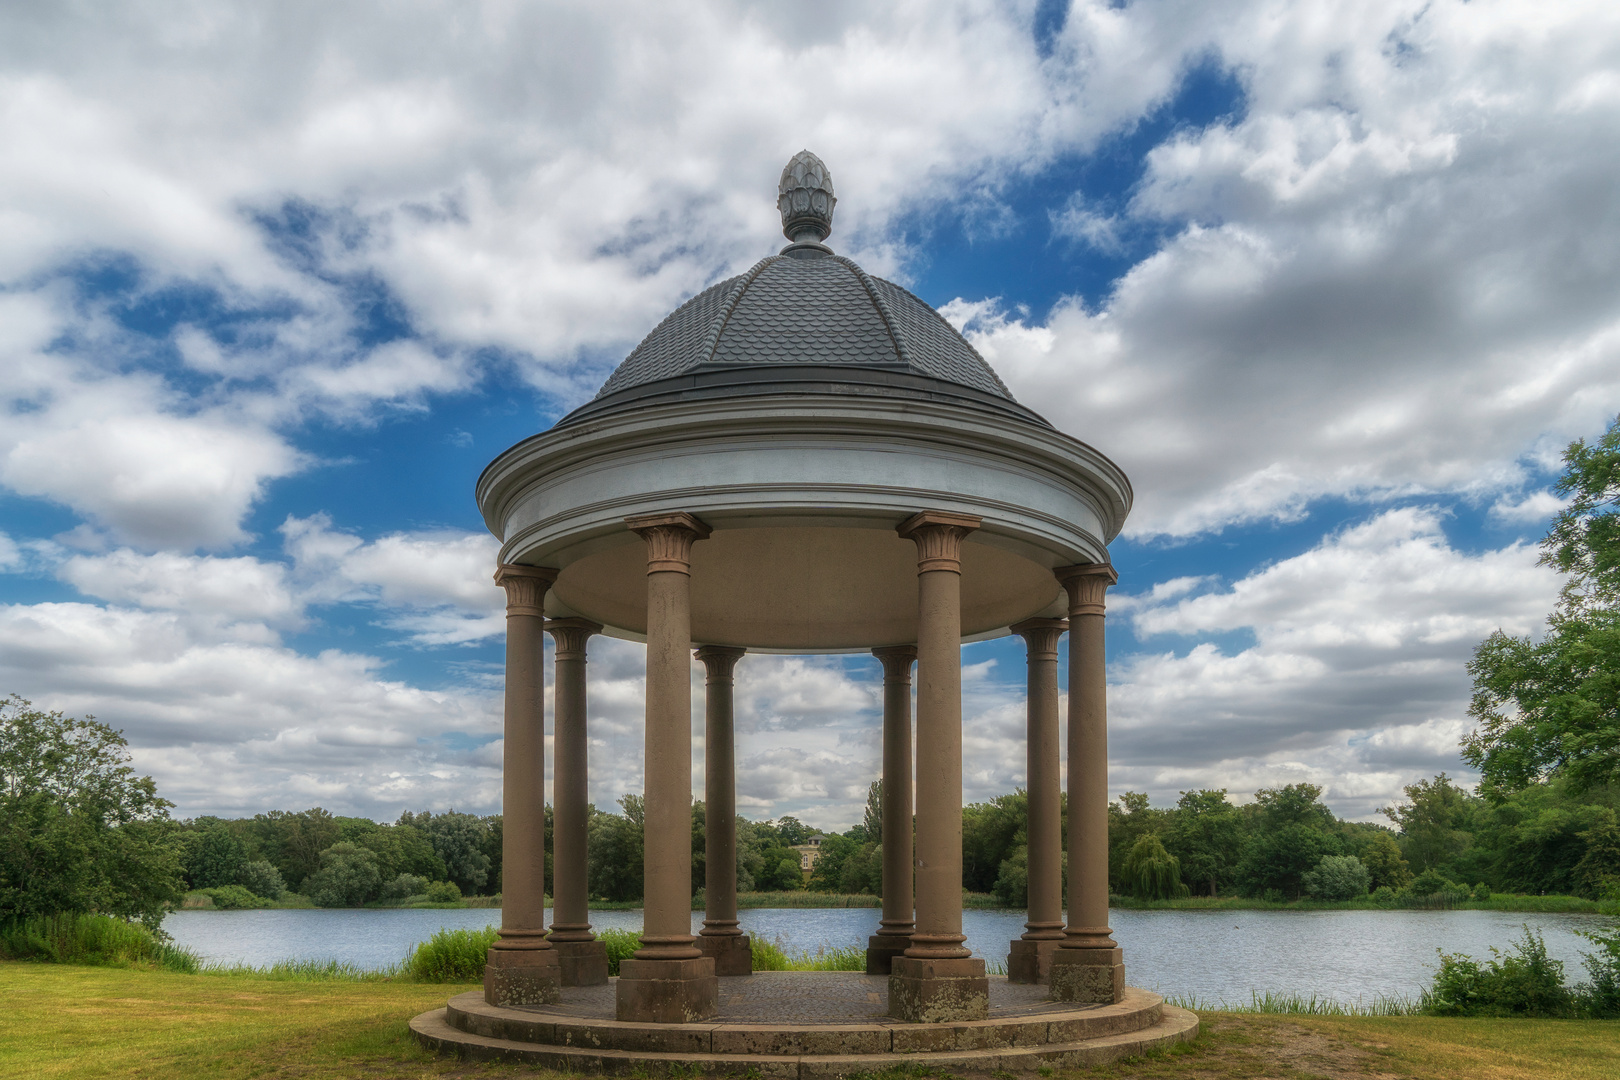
66, 1021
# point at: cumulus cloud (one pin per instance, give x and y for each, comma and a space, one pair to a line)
1355, 677
1391, 273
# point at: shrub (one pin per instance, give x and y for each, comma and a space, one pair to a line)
405, 885
620, 944
262, 879
1524, 982
1337, 877
1384, 896
451, 956
232, 897
1430, 883
443, 892
1601, 997
91, 939
1482, 891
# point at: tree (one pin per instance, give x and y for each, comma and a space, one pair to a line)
1129, 817
459, 839
1433, 824
991, 833
616, 864
1552, 708
294, 842
872, 821
1206, 833
79, 831
348, 877
1384, 862
214, 856
1337, 877
1151, 872
1277, 860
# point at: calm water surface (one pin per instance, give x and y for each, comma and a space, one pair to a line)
1349, 955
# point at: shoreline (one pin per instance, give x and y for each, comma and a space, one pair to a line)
1529, 904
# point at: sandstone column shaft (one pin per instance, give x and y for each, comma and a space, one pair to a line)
938, 856
523, 761
720, 792
667, 923
1044, 781
898, 915
1088, 758
570, 916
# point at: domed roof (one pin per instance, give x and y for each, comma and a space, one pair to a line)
803, 321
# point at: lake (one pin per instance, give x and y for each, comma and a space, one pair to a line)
1211, 955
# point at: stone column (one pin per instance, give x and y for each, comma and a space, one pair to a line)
1089, 967
730, 947
1031, 958
899, 920
522, 966
668, 980
937, 979
582, 958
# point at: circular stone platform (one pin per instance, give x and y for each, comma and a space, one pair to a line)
803, 1025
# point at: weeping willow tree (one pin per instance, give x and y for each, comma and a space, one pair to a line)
1151, 872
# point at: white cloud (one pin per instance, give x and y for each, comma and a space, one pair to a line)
1535, 507
1393, 273
1355, 677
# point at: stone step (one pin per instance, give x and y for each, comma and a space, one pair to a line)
1140, 1009
434, 1030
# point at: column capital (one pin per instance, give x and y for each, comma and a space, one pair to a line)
525, 587
1086, 584
719, 660
1041, 636
669, 539
938, 535
897, 661
571, 635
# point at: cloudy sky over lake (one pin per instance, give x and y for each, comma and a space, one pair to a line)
1334, 283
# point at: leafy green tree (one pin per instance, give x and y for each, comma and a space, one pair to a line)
1206, 833
260, 878
615, 855
79, 831
1151, 872
991, 832
1552, 708
403, 849
1434, 823
1129, 817
790, 830
1278, 859
459, 840
829, 869
1384, 862
1296, 804
213, 855
1012, 881
294, 842
863, 871
1597, 875
348, 877
871, 825
1337, 877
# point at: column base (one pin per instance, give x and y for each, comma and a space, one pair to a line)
938, 991
881, 949
522, 978
1092, 976
733, 954
667, 991
1030, 961
583, 963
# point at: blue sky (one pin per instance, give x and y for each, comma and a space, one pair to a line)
1334, 284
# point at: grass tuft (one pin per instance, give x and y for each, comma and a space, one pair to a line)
450, 956
1295, 1004
100, 940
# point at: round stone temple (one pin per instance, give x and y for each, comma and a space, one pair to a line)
806, 199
